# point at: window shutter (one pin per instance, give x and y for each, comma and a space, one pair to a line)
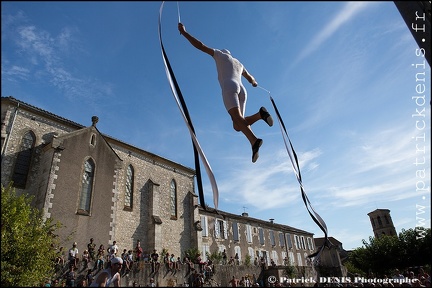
225, 227
288, 239
217, 233
281, 240
204, 226
249, 233
235, 231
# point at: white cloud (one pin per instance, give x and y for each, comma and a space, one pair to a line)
45, 56
347, 13
15, 73
269, 185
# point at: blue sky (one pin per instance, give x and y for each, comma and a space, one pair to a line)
341, 74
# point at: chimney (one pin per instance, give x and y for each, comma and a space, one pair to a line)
95, 120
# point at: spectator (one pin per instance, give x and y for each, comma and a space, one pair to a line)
397, 275
138, 251
85, 259
224, 257
179, 263
231, 261
91, 247
234, 282
110, 275
129, 261
152, 283
71, 276
154, 258
242, 282
113, 250
60, 260
237, 259
100, 258
89, 277
190, 265
73, 255
166, 261
173, 263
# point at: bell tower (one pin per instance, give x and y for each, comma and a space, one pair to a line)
382, 223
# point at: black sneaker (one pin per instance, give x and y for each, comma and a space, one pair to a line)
255, 148
266, 116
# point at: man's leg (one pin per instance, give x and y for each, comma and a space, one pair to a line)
240, 124
262, 114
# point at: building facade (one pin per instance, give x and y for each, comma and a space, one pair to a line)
103, 188
253, 239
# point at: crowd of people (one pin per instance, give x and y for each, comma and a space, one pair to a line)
108, 265
77, 269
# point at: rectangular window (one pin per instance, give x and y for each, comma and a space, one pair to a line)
225, 230
291, 258
275, 257
235, 231
303, 245
221, 229
299, 259
310, 243
237, 251
205, 251
297, 241
285, 260
261, 236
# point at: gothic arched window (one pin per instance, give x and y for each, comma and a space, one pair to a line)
173, 199
86, 187
23, 160
129, 187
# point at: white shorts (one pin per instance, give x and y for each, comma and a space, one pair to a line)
234, 95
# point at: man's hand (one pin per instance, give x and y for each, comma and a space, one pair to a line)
181, 28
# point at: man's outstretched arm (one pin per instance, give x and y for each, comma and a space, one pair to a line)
249, 77
195, 42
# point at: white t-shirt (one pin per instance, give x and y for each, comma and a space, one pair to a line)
113, 249
73, 252
228, 67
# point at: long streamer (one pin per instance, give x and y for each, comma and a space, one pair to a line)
296, 167
184, 112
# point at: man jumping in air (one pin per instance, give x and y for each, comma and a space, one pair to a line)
234, 94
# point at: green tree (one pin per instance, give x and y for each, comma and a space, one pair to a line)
415, 243
248, 260
192, 254
28, 242
381, 255
215, 256
290, 271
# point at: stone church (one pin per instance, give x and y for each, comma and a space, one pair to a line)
103, 188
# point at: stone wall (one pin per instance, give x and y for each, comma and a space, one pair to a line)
221, 277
